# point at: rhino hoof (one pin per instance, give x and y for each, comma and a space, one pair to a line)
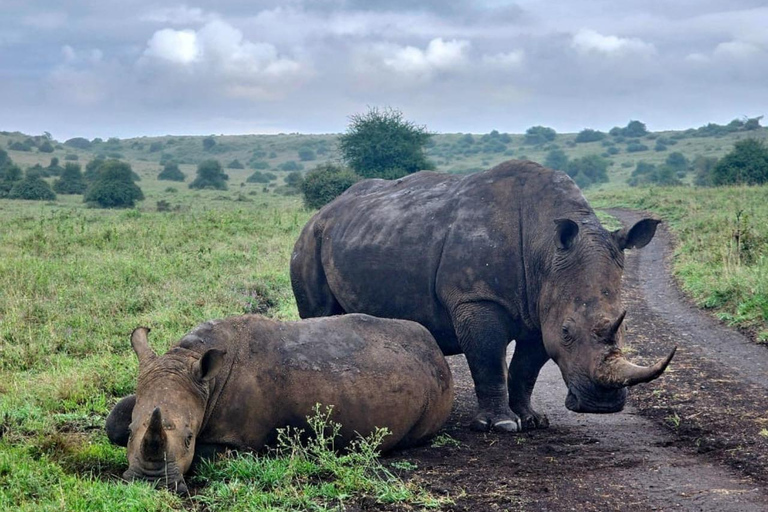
534, 421
482, 423
508, 425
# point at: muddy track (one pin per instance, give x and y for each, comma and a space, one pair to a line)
688, 441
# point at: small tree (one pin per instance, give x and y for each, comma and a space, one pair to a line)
290, 166
746, 164
71, 180
325, 183
34, 188
113, 187
210, 175
235, 164
382, 144
294, 179
556, 159
589, 135
208, 143
171, 172
78, 142
307, 155
677, 161
539, 135
46, 147
588, 170
92, 168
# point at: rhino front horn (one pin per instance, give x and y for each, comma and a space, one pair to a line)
154, 443
617, 372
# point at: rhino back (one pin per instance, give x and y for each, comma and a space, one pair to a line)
374, 372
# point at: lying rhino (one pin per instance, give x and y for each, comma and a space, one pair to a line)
233, 382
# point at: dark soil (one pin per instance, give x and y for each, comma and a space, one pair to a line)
690, 440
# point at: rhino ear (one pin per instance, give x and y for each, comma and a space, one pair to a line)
119, 419
638, 236
140, 345
566, 232
208, 366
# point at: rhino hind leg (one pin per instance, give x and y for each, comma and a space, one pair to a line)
119, 419
524, 368
314, 297
483, 336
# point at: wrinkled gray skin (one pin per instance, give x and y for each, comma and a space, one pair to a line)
233, 382
514, 252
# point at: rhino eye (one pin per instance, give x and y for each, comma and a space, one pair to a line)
188, 440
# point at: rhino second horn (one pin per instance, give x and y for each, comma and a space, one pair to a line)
618, 372
153, 446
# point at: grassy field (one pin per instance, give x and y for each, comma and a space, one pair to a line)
721, 258
75, 281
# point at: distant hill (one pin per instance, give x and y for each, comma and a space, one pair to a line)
451, 152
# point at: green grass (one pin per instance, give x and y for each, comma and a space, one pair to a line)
75, 281
721, 256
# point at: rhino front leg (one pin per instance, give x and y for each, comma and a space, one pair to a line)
524, 368
483, 337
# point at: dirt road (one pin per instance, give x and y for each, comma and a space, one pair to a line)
688, 441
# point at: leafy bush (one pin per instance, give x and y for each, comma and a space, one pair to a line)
556, 159
71, 180
307, 154
208, 143
258, 164
660, 147
294, 179
261, 177
677, 161
92, 168
46, 147
589, 135
635, 147
646, 173
33, 188
71, 157
588, 170
171, 172
325, 183
380, 143
235, 164
78, 142
746, 164
290, 166
18, 145
210, 175
539, 135
113, 186
155, 147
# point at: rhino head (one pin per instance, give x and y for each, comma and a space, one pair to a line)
582, 314
166, 413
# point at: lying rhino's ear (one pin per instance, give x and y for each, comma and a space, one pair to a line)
638, 236
209, 364
566, 232
119, 419
140, 345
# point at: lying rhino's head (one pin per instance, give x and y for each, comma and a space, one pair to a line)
170, 404
582, 314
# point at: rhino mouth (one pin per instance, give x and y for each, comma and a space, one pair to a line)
165, 476
596, 402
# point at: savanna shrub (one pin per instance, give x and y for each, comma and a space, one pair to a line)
325, 183
210, 175
71, 180
113, 187
171, 172
32, 187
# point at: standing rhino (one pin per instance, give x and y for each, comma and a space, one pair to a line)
514, 252
233, 382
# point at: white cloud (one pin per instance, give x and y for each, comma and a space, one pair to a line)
178, 15
179, 46
741, 50
587, 41
505, 61
438, 56
218, 52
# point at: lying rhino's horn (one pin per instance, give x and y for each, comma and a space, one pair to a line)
617, 372
154, 442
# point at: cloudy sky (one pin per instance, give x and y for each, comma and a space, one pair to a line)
139, 67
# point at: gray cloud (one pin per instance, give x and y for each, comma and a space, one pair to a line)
103, 69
